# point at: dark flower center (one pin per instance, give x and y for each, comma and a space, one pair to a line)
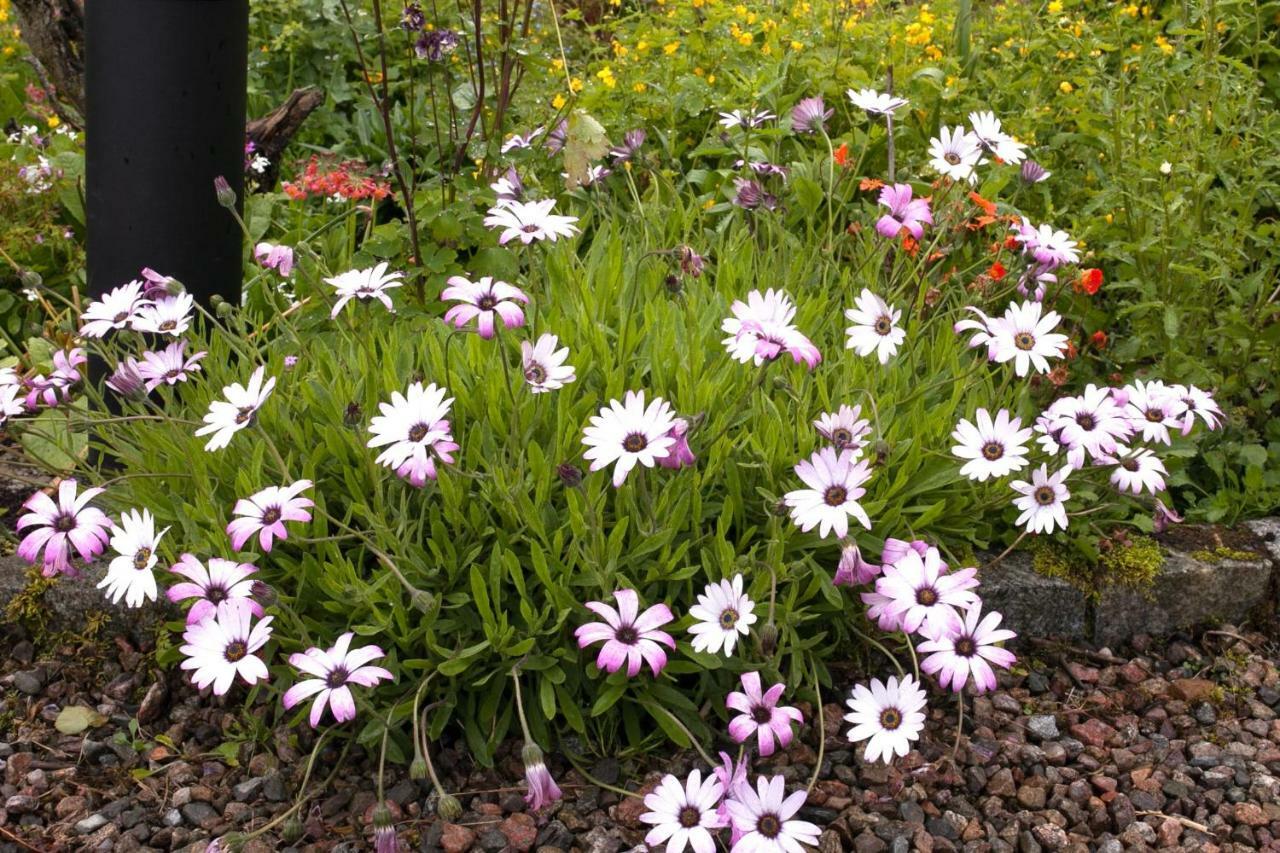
1130, 465
992, 450
271, 515
336, 677
215, 594
884, 326
168, 325
236, 651
245, 415
890, 719
926, 596
121, 317
173, 373
635, 442
835, 496
690, 817
64, 523
952, 157
1044, 496
529, 229
966, 647
535, 373
761, 714
1086, 421
841, 436
728, 619
417, 431
1024, 341
768, 825
141, 557
486, 302
627, 635
1155, 415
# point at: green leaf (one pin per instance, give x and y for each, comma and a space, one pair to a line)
74, 719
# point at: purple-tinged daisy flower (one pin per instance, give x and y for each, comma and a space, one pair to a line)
853, 570
542, 788
1162, 516
1199, 404
129, 575
964, 647
1025, 337
60, 527
1137, 468
273, 257
723, 612
168, 315
905, 213
630, 433
1033, 173
364, 285
530, 221
556, 138
749, 195
732, 778
224, 646
887, 716
11, 404
834, 480
221, 581
760, 330
630, 147
158, 285
895, 549
761, 715
765, 817
508, 187
923, 592
1152, 410
114, 311
845, 428
691, 263
127, 378
482, 300
679, 455
955, 154
992, 138
745, 118
1090, 423
1050, 247
876, 103
169, 366
878, 611
1042, 500
629, 637
684, 814
227, 417
517, 142
333, 671
415, 432
875, 327
993, 447
57, 385
810, 115
544, 367
266, 512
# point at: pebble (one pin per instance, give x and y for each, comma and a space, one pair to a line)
91, 824
1043, 727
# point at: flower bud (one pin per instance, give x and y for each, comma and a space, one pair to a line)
769, 639
423, 601
226, 196
263, 594
672, 284
570, 475
225, 310
418, 769
292, 830
353, 414
882, 450
31, 279
449, 808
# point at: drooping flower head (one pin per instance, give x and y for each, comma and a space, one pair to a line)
759, 714
517, 141
852, 569
876, 103
1033, 173
629, 433
679, 455
630, 147
993, 447
223, 646
414, 432
845, 428
888, 716
875, 327
364, 285
923, 592
1163, 516
629, 637
222, 580
765, 816
266, 512
966, 646
130, 574
530, 221
127, 379
834, 480
905, 213
508, 187
274, 257
1042, 500
57, 528
543, 789
724, 612
684, 814
332, 672
810, 115
239, 410
484, 301
544, 367
760, 330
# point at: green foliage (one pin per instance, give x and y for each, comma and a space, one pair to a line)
1131, 563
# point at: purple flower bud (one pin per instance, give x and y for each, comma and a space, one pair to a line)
852, 569
1163, 516
1032, 172
222, 189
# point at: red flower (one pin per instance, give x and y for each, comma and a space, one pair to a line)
1099, 339
869, 184
1011, 242
909, 245
1090, 281
997, 271
842, 153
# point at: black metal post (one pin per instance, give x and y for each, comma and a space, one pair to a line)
165, 85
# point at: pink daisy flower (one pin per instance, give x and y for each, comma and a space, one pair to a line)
905, 213
223, 646
482, 301
964, 647
761, 715
629, 637
60, 527
920, 591
169, 366
332, 672
223, 580
266, 512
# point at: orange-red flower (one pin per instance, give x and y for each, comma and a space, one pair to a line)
997, 271
1099, 339
1090, 281
870, 184
841, 154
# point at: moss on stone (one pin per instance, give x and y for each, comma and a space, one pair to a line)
1133, 565
1222, 552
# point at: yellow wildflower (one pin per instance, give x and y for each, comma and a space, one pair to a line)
638, 88
1065, 87
558, 102
575, 85
1164, 45
797, 45
671, 47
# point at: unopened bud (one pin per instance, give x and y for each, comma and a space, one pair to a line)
418, 769
423, 601
31, 279
353, 414
263, 594
882, 449
225, 310
175, 287
292, 830
570, 475
673, 284
226, 196
449, 808
769, 639
780, 509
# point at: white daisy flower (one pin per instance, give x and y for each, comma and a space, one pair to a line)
1152, 410
627, 434
227, 417
888, 716
1025, 338
955, 153
223, 645
1197, 403
115, 310
723, 612
366, 284
415, 432
765, 817
529, 221
1137, 468
544, 367
835, 483
168, 316
745, 118
845, 428
994, 448
1043, 499
876, 103
875, 327
992, 138
129, 575
684, 815
1090, 423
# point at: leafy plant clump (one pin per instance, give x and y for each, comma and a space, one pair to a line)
1133, 563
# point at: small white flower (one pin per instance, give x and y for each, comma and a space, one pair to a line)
544, 367
888, 716
530, 221
834, 485
723, 612
875, 327
993, 139
227, 417
955, 153
1137, 468
876, 103
364, 285
994, 448
627, 434
168, 316
1042, 501
130, 575
1166, 168
684, 814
